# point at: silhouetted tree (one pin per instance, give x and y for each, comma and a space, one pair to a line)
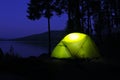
104, 14
97, 17
39, 8
88, 13
115, 13
70, 23
72, 8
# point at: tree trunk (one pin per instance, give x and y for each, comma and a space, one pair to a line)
82, 20
77, 17
88, 19
49, 35
108, 18
70, 23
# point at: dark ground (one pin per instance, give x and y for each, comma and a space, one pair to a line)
53, 69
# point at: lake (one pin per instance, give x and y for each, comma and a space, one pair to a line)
22, 48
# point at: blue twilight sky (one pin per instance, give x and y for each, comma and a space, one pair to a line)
14, 23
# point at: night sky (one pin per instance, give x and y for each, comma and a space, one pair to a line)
14, 23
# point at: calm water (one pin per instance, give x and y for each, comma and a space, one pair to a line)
22, 49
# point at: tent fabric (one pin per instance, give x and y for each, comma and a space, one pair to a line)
75, 45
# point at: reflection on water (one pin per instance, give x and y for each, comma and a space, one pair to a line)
22, 49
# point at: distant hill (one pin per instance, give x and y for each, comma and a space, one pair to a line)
42, 38
1, 39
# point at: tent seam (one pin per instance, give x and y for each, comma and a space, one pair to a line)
67, 48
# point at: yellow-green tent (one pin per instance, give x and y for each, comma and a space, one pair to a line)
75, 45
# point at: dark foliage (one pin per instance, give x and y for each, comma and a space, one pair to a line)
98, 17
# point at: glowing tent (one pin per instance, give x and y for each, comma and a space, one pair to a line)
75, 45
